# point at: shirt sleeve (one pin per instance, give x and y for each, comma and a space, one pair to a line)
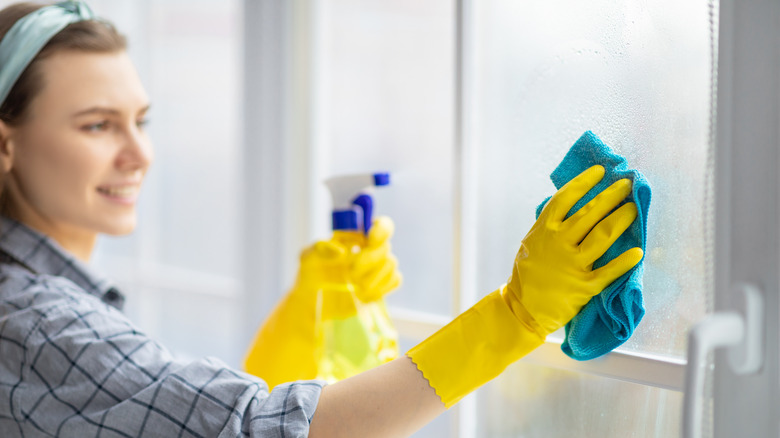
72, 366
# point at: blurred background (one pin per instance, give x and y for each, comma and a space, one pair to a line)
470, 105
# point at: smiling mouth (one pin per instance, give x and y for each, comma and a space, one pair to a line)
119, 192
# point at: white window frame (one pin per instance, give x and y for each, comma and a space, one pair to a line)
747, 225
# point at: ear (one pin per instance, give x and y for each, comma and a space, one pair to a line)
6, 147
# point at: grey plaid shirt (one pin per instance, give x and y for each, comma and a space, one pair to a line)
72, 365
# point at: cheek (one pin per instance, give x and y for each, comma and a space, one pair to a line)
58, 168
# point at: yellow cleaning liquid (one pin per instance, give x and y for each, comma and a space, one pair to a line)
321, 329
353, 336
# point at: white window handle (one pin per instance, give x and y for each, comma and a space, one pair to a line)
741, 331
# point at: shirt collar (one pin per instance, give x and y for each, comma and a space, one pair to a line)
42, 255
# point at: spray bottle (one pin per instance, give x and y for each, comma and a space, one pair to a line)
356, 335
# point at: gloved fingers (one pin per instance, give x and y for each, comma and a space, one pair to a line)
377, 247
383, 273
378, 267
381, 281
605, 275
568, 195
368, 259
382, 229
580, 223
392, 283
607, 232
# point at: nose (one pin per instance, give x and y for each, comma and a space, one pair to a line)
137, 152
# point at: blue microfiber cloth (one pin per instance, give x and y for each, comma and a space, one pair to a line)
610, 317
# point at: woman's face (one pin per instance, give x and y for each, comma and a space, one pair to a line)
75, 165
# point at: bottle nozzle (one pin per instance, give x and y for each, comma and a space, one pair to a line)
352, 202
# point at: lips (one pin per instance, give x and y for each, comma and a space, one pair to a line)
124, 194
119, 191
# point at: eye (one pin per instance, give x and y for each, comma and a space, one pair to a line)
96, 127
141, 124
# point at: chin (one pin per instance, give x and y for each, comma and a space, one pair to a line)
119, 227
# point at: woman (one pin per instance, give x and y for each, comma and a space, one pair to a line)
74, 154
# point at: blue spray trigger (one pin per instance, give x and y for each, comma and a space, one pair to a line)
366, 203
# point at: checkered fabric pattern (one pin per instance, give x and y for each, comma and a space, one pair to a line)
72, 365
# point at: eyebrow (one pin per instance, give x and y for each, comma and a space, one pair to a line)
105, 110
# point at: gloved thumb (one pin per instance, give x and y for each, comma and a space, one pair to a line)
382, 229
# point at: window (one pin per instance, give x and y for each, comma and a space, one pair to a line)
525, 80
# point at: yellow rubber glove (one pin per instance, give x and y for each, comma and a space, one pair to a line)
374, 269
551, 281
288, 346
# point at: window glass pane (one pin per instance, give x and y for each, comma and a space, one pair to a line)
532, 401
638, 75
386, 82
130, 19
206, 326
195, 50
189, 56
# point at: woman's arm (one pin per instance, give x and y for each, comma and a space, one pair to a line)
393, 400
551, 281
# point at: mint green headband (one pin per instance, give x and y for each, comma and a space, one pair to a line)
28, 36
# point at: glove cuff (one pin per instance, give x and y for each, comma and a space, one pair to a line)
474, 348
